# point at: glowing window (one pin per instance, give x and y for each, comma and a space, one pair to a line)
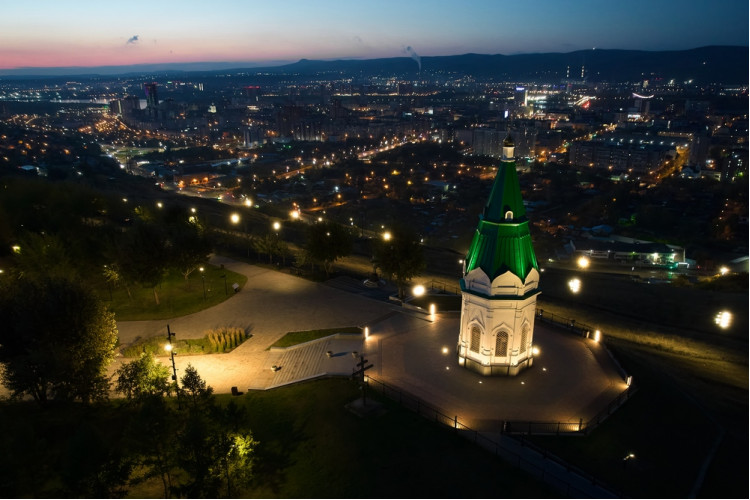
524, 338
476, 336
509, 215
501, 343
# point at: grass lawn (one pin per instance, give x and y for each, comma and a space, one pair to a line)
312, 447
177, 297
294, 338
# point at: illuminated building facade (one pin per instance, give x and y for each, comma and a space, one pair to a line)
152, 100
500, 282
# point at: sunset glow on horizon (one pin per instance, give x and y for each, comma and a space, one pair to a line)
87, 33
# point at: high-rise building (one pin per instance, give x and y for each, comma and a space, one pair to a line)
152, 100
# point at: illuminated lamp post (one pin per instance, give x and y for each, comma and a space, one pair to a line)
170, 349
203, 279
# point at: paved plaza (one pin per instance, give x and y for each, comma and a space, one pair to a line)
572, 378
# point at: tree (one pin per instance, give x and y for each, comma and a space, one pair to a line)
153, 432
326, 242
189, 248
270, 244
57, 339
399, 257
187, 245
42, 255
142, 255
213, 452
143, 377
194, 386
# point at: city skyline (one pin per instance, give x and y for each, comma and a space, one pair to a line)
86, 34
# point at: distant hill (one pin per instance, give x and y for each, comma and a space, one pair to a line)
725, 64
716, 64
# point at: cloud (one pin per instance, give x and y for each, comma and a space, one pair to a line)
132, 39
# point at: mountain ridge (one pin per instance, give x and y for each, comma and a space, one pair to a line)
703, 64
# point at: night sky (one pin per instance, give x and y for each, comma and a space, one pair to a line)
52, 33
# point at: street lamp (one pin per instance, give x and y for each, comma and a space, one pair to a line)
170, 349
583, 262
723, 319
203, 279
235, 218
387, 236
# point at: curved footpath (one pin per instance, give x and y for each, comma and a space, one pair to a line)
270, 304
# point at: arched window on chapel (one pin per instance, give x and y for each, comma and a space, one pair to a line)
524, 337
476, 337
501, 343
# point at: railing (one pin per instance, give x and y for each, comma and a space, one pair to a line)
439, 286
532, 459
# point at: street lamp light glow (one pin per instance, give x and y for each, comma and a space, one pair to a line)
235, 218
723, 319
723, 270
276, 226
583, 262
574, 285
294, 214
418, 290
168, 347
387, 236
248, 202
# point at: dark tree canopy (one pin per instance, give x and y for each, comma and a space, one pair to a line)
400, 257
327, 242
57, 339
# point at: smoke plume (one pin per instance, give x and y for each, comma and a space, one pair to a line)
412, 53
